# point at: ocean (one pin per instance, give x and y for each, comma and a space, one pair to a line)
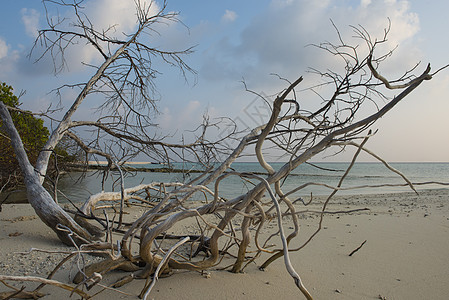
368, 175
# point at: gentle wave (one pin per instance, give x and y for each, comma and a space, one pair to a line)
362, 174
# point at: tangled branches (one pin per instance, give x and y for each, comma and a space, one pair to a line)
223, 231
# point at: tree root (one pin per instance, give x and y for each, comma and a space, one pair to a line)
45, 281
125, 280
21, 294
104, 267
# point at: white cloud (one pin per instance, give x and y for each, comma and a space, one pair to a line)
279, 45
9, 61
405, 24
416, 130
180, 117
229, 16
119, 16
365, 3
118, 13
3, 48
165, 119
192, 107
281, 3
30, 18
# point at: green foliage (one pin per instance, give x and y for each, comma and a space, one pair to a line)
34, 135
32, 131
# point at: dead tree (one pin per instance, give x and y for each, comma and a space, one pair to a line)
300, 133
125, 79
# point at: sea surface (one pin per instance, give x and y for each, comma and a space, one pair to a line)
368, 176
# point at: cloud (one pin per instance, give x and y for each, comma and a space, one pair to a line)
365, 3
118, 13
165, 119
278, 45
229, 16
3, 49
180, 117
117, 18
30, 18
276, 40
417, 127
9, 59
189, 115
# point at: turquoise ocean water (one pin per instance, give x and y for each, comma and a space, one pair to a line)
362, 174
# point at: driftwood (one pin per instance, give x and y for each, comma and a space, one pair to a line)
45, 281
357, 249
224, 227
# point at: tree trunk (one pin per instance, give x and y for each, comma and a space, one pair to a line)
39, 198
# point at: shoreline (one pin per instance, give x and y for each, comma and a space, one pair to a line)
405, 256
22, 195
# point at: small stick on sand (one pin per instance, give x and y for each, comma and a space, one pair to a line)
358, 248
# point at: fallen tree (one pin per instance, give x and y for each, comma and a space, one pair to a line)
125, 76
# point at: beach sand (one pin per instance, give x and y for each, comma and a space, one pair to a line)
406, 255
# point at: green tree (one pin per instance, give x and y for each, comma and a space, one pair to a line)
33, 133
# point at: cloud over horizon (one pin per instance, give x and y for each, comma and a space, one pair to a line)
244, 40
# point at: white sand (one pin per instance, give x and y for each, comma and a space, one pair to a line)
405, 256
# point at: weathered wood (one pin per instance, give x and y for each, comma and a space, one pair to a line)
39, 198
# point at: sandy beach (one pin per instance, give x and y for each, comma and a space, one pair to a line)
405, 255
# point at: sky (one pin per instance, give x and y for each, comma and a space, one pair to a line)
249, 40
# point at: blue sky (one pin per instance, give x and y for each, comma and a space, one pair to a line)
251, 39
